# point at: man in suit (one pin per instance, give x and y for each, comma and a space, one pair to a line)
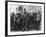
12, 21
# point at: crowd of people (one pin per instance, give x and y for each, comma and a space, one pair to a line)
25, 21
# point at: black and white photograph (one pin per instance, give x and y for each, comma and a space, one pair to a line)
25, 18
